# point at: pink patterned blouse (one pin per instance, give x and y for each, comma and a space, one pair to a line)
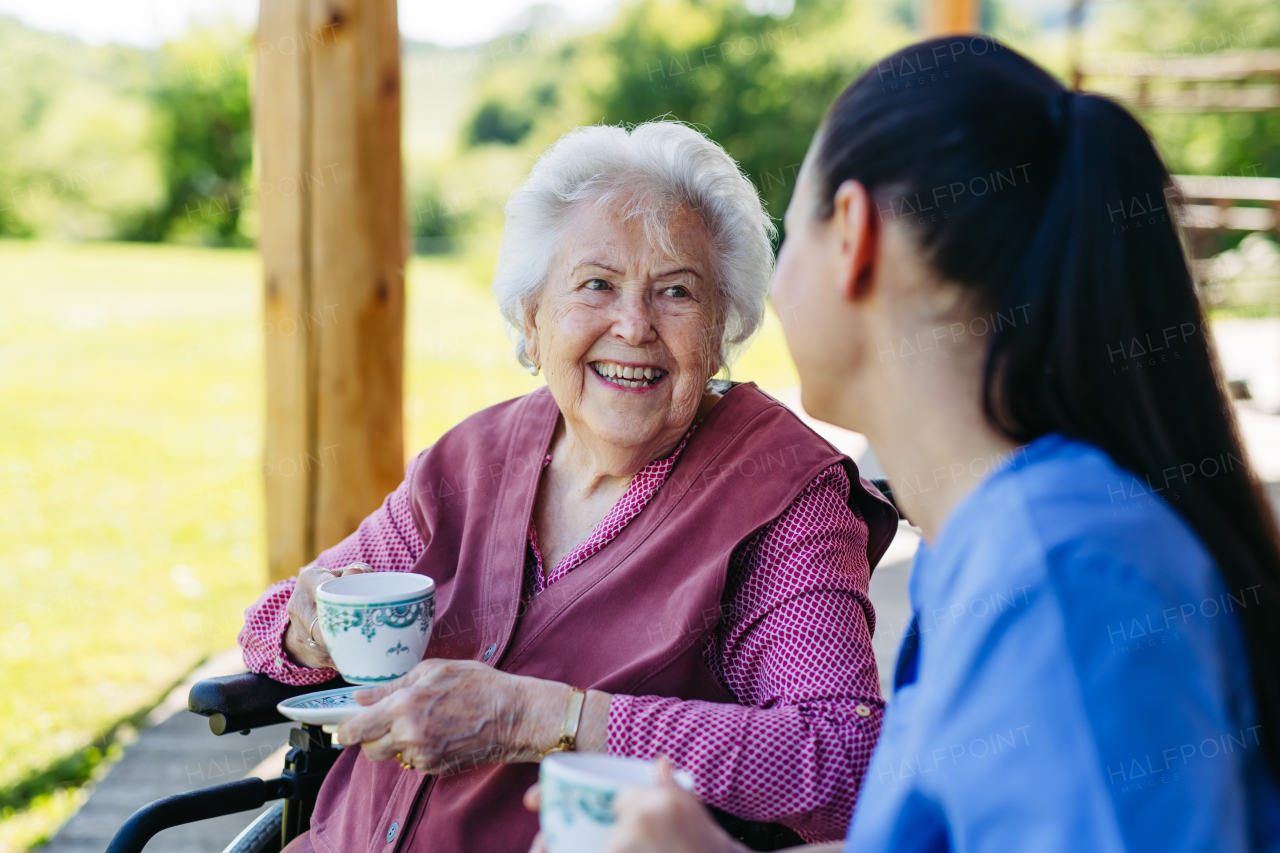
794, 647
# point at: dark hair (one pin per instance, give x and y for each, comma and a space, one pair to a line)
1053, 209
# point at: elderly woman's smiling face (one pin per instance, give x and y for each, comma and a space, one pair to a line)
627, 334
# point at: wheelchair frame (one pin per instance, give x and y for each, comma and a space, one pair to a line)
242, 703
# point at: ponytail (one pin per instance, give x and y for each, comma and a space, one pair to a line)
1074, 243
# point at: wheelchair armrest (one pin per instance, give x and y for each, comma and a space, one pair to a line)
883, 486
238, 703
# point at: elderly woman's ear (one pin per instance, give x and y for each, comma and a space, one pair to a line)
713, 350
531, 338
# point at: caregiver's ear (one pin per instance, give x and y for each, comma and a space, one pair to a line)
854, 219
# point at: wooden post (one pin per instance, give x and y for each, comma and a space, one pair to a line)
327, 130
1075, 23
950, 17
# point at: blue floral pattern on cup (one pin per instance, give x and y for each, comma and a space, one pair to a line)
340, 618
399, 630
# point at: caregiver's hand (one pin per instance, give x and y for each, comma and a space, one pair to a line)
302, 613
666, 819
448, 716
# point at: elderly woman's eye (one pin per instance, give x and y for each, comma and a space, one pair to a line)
597, 284
677, 290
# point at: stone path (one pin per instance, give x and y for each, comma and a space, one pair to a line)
174, 754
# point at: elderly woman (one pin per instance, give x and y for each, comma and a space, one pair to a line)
635, 559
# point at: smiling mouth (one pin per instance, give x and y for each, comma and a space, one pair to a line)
627, 377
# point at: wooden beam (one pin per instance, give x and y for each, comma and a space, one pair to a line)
950, 17
281, 137
327, 117
1239, 66
1241, 81
1236, 188
1214, 217
359, 254
1242, 100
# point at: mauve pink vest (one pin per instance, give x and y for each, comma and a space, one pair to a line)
631, 619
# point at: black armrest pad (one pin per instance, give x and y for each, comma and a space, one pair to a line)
246, 701
883, 486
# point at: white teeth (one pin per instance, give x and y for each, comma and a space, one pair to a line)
627, 377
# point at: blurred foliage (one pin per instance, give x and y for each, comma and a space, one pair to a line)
757, 78
1233, 143
435, 220
156, 145
75, 126
499, 122
757, 84
117, 142
203, 137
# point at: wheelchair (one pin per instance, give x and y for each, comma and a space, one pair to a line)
241, 703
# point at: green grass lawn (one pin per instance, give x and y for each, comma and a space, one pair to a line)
131, 530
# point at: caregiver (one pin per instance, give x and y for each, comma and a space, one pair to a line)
981, 275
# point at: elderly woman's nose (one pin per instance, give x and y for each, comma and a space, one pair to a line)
634, 319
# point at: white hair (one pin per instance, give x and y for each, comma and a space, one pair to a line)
656, 169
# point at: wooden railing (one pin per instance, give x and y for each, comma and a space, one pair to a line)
1212, 202
1243, 81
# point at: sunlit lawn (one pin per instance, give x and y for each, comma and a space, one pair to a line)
131, 533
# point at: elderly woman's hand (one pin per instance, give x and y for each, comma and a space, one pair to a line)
447, 716
666, 819
302, 616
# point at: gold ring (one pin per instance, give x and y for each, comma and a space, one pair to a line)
311, 639
403, 764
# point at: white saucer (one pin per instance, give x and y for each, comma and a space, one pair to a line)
325, 707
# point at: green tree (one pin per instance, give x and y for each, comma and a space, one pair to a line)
75, 154
755, 77
204, 139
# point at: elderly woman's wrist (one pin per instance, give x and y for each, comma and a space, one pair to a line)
541, 717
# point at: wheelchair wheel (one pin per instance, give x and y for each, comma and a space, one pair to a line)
261, 836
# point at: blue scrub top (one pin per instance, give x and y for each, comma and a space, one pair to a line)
1078, 680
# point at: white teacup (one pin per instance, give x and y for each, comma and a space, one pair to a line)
577, 790
376, 624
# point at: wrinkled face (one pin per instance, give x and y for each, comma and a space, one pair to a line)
626, 334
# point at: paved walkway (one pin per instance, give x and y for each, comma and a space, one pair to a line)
174, 754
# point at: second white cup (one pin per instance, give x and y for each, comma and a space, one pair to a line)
577, 790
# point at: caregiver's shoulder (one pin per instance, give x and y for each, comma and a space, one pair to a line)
1079, 508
